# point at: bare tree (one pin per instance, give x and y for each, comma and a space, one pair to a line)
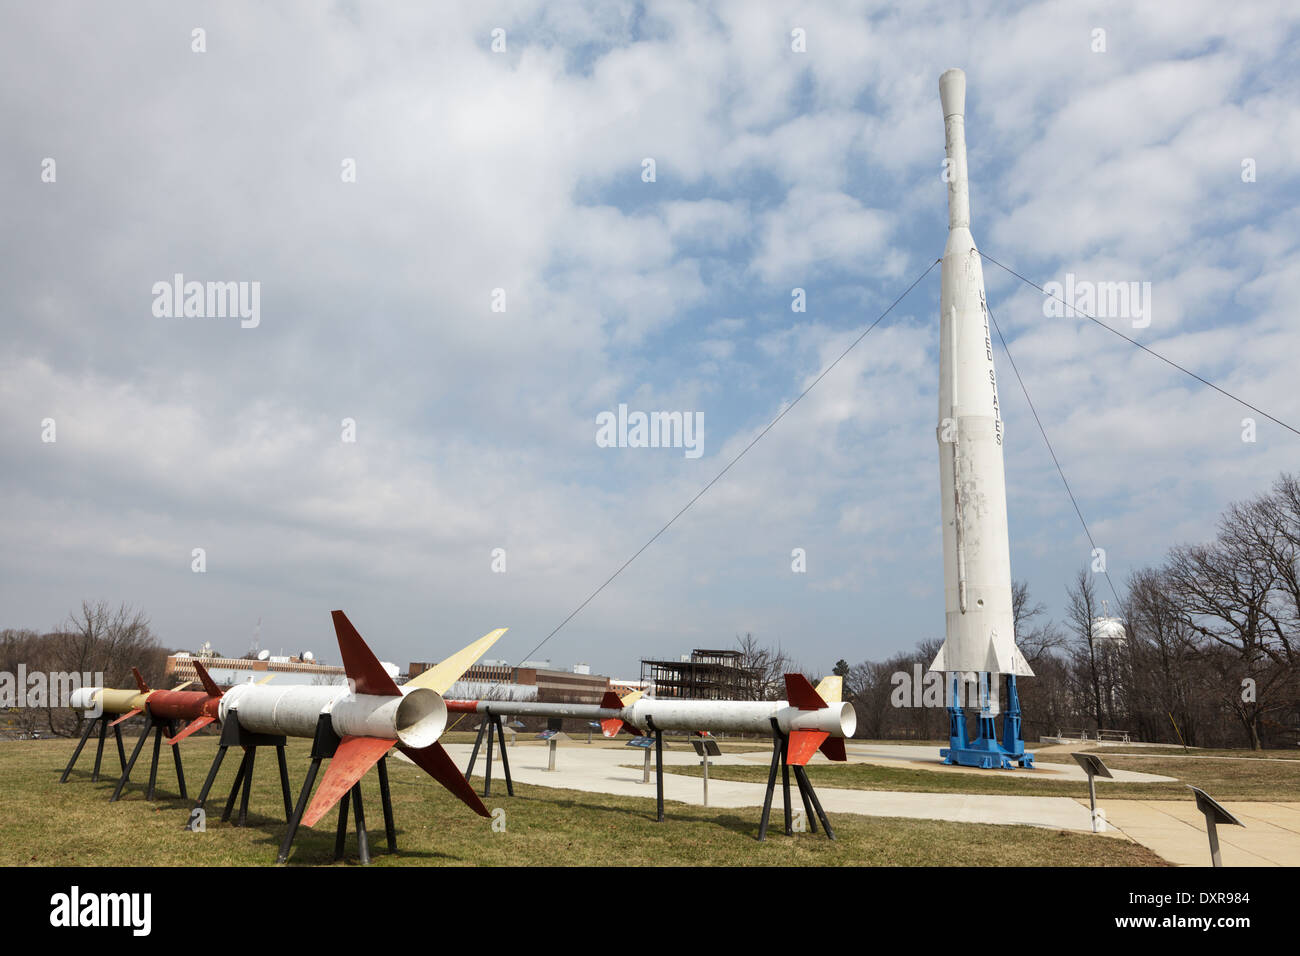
1081, 610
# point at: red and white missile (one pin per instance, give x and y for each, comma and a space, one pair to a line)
810, 721
976, 547
371, 715
813, 718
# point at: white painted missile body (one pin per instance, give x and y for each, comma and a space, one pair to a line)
976, 548
739, 716
417, 718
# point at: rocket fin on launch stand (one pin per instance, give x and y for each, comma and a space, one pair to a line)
193, 726
209, 685
364, 672
801, 694
803, 744
831, 689
442, 675
354, 756
611, 726
434, 761
127, 716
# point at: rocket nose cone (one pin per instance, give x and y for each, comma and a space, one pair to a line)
83, 698
952, 92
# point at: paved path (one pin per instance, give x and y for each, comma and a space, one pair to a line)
600, 770
1175, 830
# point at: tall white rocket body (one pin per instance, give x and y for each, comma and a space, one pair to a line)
976, 550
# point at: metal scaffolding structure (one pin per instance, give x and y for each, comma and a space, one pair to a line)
704, 675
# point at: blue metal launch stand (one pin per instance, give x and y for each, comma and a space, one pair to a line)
985, 751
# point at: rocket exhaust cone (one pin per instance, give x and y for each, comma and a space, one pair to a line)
421, 718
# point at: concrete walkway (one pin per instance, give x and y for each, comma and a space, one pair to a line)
1175, 830
601, 770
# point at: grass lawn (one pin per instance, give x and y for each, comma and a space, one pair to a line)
1221, 779
43, 823
1104, 752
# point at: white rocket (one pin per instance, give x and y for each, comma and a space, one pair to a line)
976, 550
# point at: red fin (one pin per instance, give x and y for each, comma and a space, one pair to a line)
434, 761
209, 685
144, 688
354, 756
833, 748
359, 662
191, 728
803, 744
611, 701
802, 694
127, 716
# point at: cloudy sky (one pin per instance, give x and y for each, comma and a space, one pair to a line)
522, 170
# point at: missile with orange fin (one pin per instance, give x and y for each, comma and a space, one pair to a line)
112, 700
371, 716
813, 718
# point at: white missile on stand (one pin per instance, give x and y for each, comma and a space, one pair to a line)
976, 550
810, 721
813, 718
371, 715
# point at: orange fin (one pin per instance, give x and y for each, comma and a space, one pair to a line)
193, 726
434, 761
127, 716
364, 671
803, 744
354, 756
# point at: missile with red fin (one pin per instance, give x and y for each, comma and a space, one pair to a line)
371, 716
813, 718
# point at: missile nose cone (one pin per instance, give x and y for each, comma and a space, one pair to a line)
952, 92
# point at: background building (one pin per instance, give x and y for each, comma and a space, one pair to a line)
701, 675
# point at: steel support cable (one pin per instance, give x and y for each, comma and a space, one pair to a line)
591, 597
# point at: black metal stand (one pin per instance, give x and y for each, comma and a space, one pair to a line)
491, 726
232, 735
157, 727
102, 721
811, 805
323, 747
659, 768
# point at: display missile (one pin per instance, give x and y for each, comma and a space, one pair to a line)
371, 715
976, 547
813, 718
199, 707
112, 700
809, 720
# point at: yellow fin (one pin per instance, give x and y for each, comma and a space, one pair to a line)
632, 698
442, 675
831, 689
